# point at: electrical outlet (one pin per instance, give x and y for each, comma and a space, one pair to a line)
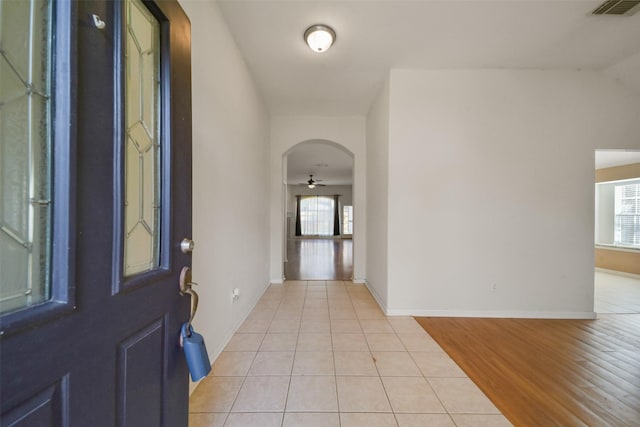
493, 287
235, 294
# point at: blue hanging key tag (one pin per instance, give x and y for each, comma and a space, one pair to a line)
195, 351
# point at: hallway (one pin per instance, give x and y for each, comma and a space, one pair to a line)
319, 259
323, 354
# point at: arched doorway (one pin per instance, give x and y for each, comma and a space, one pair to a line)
318, 211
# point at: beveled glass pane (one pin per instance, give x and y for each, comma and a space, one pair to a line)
143, 26
142, 154
132, 171
148, 86
147, 163
25, 153
12, 86
14, 118
132, 67
16, 32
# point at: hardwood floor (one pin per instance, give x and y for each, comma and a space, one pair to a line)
550, 372
319, 259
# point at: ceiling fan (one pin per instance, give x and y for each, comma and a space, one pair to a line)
313, 183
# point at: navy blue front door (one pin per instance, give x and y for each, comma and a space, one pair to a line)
102, 347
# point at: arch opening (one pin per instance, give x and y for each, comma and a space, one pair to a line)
318, 219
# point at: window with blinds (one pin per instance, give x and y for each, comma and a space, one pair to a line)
627, 215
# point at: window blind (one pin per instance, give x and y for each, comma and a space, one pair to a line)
627, 215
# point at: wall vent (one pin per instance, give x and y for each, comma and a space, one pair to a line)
617, 7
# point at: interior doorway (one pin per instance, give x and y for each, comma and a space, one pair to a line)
319, 212
617, 232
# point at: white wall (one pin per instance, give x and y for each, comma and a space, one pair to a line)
286, 132
491, 181
378, 196
605, 213
626, 72
230, 179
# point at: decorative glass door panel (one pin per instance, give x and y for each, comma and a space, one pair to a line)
25, 153
142, 154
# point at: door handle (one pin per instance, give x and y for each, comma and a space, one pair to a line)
186, 288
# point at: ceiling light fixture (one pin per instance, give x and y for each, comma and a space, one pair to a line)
312, 183
319, 37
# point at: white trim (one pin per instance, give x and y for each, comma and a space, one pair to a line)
618, 273
483, 313
617, 248
376, 297
494, 314
360, 281
276, 281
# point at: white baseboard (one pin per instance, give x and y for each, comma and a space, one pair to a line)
516, 314
279, 281
359, 281
501, 314
376, 297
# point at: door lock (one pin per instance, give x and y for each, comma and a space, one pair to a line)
187, 245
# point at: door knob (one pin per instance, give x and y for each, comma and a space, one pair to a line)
187, 245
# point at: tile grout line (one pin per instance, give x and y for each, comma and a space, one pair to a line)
353, 296
333, 356
295, 352
244, 379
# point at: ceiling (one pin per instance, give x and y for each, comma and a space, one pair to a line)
326, 162
376, 36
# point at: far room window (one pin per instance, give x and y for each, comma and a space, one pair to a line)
627, 215
618, 214
347, 219
316, 215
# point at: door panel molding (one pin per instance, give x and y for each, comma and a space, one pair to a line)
47, 407
140, 369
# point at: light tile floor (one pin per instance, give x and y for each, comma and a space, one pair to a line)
322, 353
616, 294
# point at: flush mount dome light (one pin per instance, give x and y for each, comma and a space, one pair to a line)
319, 37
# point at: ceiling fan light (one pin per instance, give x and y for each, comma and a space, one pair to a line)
319, 37
311, 186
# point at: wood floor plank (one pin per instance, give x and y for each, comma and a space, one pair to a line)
550, 372
319, 259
